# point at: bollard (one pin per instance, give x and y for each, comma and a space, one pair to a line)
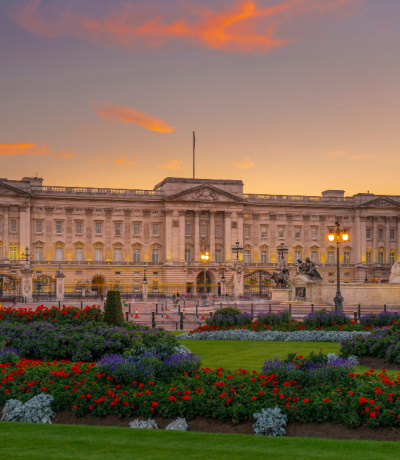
153, 320
126, 316
312, 308
156, 309
290, 310
181, 320
270, 308
59, 303
384, 308
252, 309
197, 311
359, 311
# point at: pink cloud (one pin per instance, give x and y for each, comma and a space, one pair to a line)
29, 148
123, 161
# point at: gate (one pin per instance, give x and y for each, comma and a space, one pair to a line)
258, 283
44, 287
10, 288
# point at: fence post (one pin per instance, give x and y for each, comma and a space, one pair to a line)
81, 305
179, 309
59, 303
181, 320
156, 309
153, 320
384, 308
290, 311
252, 309
129, 306
197, 311
126, 316
359, 311
270, 308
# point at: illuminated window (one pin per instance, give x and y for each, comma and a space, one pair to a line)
98, 255
297, 255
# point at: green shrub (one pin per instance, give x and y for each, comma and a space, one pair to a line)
227, 312
113, 313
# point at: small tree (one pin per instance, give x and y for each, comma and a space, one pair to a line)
113, 313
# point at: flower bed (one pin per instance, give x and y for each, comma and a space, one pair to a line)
245, 334
359, 399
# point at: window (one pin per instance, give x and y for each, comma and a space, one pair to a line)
38, 254
314, 233
368, 257
368, 233
154, 255
297, 255
391, 258
280, 232
98, 210
98, 228
117, 254
155, 286
59, 254
218, 231
218, 255
187, 255
392, 236
314, 257
13, 225
247, 231
136, 255
79, 228
346, 257
263, 231
188, 230
117, 228
78, 254
59, 226
155, 230
380, 233
39, 226
246, 256
98, 255
203, 230
136, 286
136, 229
380, 257
263, 257
331, 259
297, 232
12, 253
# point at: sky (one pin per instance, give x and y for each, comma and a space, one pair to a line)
290, 96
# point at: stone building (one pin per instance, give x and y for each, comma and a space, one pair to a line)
115, 237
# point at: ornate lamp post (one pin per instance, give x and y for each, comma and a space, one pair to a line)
339, 235
204, 256
237, 248
27, 257
282, 250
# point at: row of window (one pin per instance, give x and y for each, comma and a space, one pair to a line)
381, 233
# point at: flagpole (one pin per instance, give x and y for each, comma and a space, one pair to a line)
194, 145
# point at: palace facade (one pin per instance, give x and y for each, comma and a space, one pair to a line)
108, 237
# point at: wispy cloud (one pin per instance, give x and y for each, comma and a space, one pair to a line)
173, 164
30, 148
245, 164
130, 115
366, 156
238, 26
122, 160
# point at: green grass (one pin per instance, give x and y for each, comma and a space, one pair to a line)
31, 441
247, 354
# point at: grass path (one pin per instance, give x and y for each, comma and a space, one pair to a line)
67, 442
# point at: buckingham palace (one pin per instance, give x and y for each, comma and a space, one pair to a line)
104, 237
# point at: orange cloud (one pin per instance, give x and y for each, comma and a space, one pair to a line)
173, 164
244, 26
123, 161
245, 165
29, 148
129, 115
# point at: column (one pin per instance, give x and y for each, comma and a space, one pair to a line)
128, 257
168, 235
182, 222
387, 240
357, 239
228, 239
305, 236
375, 239
49, 240
5, 231
212, 236
108, 234
363, 239
89, 233
69, 232
240, 216
60, 277
196, 256
27, 283
24, 227
146, 235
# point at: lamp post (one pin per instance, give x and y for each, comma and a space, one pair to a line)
204, 256
223, 273
27, 257
237, 248
144, 273
339, 235
282, 250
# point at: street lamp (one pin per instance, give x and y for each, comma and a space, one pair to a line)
26, 256
204, 256
282, 250
339, 235
237, 248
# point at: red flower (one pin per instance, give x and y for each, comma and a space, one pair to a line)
254, 397
44, 388
372, 401
228, 400
75, 406
362, 400
91, 407
154, 403
306, 400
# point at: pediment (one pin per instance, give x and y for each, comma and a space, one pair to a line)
381, 202
9, 190
205, 193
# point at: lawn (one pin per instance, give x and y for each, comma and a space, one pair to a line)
31, 441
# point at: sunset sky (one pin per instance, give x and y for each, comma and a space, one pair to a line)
291, 96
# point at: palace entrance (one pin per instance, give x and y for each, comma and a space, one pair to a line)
98, 285
200, 282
